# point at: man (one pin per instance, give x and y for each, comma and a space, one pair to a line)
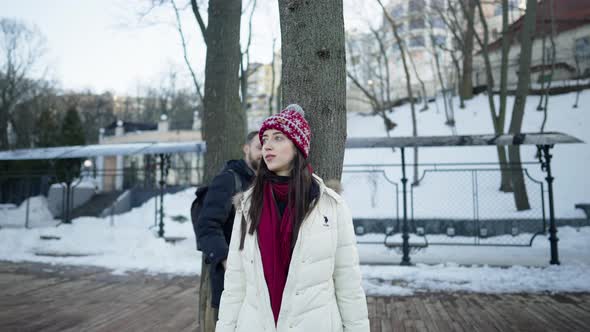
214, 226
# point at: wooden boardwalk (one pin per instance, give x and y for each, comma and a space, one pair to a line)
39, 297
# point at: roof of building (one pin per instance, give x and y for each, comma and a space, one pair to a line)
568, 15
86, 151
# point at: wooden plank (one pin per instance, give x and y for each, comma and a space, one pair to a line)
459, 322
433, 311
90, 299
395, 313
555, 319
429, 323
475, 313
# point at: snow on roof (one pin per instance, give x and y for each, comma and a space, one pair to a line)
68, 152
547, 138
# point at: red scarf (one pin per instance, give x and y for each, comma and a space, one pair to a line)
274, 240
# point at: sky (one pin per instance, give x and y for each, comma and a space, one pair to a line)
107, 45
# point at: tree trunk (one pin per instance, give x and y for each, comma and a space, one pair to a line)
3, 131
466, 78
450, 119
272, 84
553, 58
207, 319
314, 76
522, 90
459, 79
422, 85
505, 181
504, 64
223, 121
505, 184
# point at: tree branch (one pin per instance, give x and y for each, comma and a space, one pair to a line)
197, 14
184, 51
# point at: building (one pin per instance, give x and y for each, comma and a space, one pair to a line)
423, 27
119, 172
572, 45
260, 89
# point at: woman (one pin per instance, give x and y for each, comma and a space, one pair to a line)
292, 263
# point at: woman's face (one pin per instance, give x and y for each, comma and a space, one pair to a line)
278, 152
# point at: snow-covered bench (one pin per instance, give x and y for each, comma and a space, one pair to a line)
584, 207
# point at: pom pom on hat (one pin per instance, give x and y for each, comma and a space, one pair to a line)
296, 108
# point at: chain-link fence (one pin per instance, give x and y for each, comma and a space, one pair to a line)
450, 204
40, 199
454, 204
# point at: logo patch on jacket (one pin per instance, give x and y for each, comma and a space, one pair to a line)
326, 224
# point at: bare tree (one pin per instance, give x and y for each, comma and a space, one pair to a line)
185, 53
526, 40
578, 77
449, 113
21, 49
460, 32
314, 75
422, 85
273, 79
408, 86
498, 119
223, 119
436, 45
245, 70
466, 90
374, 85
552, 57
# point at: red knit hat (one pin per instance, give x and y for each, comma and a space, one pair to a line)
292, 123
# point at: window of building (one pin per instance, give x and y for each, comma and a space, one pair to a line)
437, 4
439, 40
549, 54
512, 5
397, 11
437, 22
498, 10
416, 6
417, 23
582, 48
417, 41
401, 27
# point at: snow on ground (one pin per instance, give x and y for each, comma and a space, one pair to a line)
450, 277
39, 214
449, 194
129, 242
574, 248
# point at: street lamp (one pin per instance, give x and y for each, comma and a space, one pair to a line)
86, 166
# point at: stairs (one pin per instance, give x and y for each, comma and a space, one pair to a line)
96, 205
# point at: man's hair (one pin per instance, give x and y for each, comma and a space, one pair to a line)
250, 136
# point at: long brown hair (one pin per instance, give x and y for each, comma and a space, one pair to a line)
299, 187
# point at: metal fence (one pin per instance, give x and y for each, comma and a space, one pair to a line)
94, 193
452, 204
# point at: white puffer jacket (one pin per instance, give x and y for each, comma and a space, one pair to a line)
323, 291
